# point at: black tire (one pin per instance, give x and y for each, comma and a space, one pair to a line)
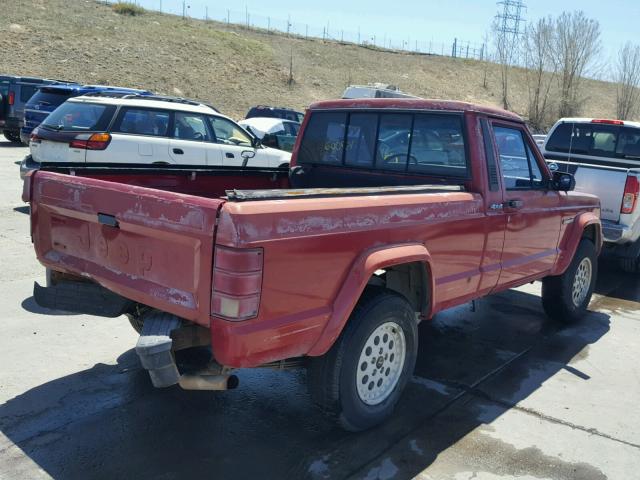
13, 137
333, 377
629, 265
557, 291
136, 322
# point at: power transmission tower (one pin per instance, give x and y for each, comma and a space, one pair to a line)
508, 22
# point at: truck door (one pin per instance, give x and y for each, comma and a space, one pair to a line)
532, 211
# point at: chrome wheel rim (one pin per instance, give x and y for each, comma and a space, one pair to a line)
581, 282
380, 364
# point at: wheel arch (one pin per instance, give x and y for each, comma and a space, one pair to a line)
411, 267
586, 225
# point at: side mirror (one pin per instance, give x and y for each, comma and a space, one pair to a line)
246, 155
562, 182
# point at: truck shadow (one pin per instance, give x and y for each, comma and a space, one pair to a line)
617, 284
108, 422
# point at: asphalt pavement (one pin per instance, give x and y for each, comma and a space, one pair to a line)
501, 392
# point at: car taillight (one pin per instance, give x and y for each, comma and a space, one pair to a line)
630, 197
26, 187
95, 141
237, 283
12, 98
35, 138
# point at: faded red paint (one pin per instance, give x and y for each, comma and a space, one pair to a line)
318, 252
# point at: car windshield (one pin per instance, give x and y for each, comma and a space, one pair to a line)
76, 116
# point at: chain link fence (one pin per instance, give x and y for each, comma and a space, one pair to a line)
457, 48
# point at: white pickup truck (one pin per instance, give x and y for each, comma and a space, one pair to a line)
604, 157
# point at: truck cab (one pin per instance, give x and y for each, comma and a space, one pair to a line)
392, 211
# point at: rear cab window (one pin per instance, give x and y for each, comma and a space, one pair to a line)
594, 139
80, 117
422, 143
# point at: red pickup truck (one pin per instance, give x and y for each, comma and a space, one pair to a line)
392, 210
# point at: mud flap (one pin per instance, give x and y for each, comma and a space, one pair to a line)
81, 297
154, 349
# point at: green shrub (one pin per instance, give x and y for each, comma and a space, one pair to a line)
127, 8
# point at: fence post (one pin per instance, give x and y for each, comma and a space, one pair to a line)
454, 48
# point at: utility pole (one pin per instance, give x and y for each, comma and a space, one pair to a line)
358, 35
228, 16
306, 31
160, 6
246, 14
206, 14
288, 24
184, 9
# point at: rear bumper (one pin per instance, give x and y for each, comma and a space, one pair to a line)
619, 234
27, 165
25, 134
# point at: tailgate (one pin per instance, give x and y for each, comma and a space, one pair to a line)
605, 182
151, 246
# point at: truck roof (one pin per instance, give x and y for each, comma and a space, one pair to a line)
625, 123
414, 104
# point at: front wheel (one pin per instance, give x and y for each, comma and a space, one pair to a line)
361, 378
565, 297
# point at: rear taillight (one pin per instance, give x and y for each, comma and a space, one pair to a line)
26, 187
35, 138
86, 141
237, 283
12, 98
630, 197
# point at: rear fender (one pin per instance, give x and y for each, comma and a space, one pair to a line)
572, 237
361, 271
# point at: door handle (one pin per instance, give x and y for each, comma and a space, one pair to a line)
229, 155
178, 151
513, 204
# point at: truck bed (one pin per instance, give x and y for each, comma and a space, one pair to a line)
149, 234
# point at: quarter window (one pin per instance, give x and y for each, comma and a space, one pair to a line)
143, 121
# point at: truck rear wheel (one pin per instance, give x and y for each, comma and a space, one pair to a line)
565, 297
13, 137
629, 265
360, 379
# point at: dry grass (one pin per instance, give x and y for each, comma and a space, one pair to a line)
127, 8
231, 67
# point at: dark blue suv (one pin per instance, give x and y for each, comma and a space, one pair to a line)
50, 97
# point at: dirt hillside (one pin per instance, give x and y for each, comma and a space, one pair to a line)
231, 67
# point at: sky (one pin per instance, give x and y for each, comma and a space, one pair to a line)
413, 20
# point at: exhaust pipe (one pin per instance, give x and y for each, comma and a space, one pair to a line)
208, 382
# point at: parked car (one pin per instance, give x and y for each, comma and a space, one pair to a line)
14, 94
50, 97
539, 139
103, 128
604, 157
273, 132
275, 112
375, 90
331, 265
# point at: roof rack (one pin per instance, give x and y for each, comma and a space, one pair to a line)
138, 96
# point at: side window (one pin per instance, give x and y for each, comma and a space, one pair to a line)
229, 133
143, 121
394, 133
323, 141
517, 162
26, 92
191, 126
537, 179
437, 145
361, 139
560, 138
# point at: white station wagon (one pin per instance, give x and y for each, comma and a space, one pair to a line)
147, 130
